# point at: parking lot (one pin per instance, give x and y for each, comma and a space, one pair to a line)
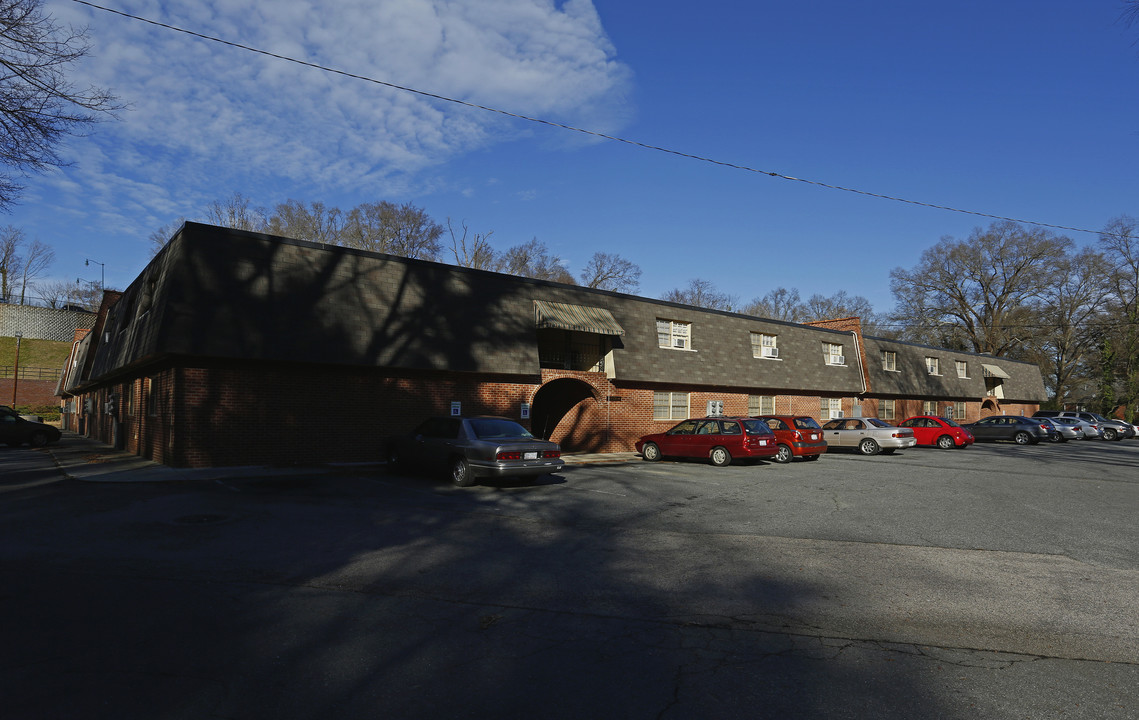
995, 581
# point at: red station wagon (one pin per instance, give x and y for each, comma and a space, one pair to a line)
717, 438
797, 435
939, 431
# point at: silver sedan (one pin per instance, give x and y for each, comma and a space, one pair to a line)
869, 436
1072, 428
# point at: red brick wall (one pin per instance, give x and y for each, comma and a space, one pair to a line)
29, 392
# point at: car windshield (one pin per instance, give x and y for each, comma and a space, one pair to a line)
806, 423
878, 423
495, 428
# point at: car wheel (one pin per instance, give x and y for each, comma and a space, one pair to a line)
461, 472
650, 452
1022, 438
868, 447
38, 439
784, 455
720, 456
945, 442
1110, 434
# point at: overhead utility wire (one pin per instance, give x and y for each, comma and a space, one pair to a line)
635, 143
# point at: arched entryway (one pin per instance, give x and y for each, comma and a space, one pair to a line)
989, 407
554, 401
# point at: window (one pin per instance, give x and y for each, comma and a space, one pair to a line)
933, 365
130, 390
830, 408
962, 369
889, 360
929, 407
886, 409
151, 398
672, 334
958, 411
764, 345
833, 354
760, 405
670, 405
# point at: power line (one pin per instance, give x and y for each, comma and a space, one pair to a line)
550, 123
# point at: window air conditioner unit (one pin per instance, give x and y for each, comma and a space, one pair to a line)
837, 414
838, 359
772, 352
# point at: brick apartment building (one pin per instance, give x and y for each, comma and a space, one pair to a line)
236, 348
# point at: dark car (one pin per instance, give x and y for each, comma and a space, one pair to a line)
934, 431
467, 448
720, 439
1020, 430
1054, 434
797, 435
15, 430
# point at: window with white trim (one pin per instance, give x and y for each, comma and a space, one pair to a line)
929, 407
889, 360
958, 411
760, 405
670, 405
764, 345
673, 334
962, 369
886, 409
833, 354
933, 365
830, 408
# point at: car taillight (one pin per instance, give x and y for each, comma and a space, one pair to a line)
508, 456
552, 454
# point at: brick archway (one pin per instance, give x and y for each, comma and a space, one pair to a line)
554, 401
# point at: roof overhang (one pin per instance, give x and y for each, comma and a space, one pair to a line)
993, 371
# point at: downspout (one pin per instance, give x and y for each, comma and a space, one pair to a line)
861, 369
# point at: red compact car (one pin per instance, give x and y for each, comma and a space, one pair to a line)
938, 431
717, 438
797, 435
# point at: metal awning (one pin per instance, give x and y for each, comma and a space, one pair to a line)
993, 371
581, 318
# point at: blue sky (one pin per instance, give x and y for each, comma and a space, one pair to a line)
1020, 109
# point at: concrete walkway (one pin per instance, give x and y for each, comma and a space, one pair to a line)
81, 458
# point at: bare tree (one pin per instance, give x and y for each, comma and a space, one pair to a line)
477, 254
236, 212
1121, 240
777, 304
56, 294
986, 286
314, 223
38, 106
606, 271
701, 293
37, 260
404, 230
162, 235
11, 238
533, 259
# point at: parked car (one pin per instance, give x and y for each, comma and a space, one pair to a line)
1017, 428
1054, 435
1069, 428
937, 431
467, 448
869, 436
1109, 428
797, 436
16, 431
720, 439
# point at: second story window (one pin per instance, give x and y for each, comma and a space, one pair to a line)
673, 334
889, 360
962, 369
933, 366
764, 345
833, 354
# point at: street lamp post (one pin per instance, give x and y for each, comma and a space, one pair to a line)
102, 275
16, 372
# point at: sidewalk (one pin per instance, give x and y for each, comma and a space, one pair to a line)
81, 458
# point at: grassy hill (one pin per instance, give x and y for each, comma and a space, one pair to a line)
34, 353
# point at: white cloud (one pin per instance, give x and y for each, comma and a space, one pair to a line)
203, 114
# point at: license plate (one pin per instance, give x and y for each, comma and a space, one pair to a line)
530, 456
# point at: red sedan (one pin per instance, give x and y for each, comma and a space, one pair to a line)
720, 439
938, 432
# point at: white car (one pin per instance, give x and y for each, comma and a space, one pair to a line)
869, 436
